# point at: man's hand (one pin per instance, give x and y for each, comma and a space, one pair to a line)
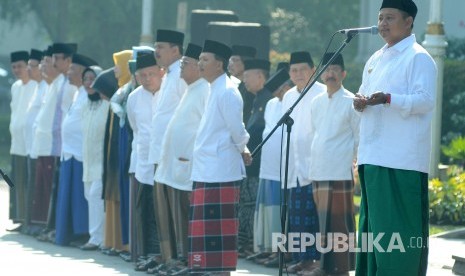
360, 102
247, 157
377, 98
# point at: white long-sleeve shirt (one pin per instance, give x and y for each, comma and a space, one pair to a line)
171, 91
399, 135
43, 137
180, 136
94, 119
221, 137
71, 131
271, 151
32, 112
22, 94
140, 106
334, 136
299, 148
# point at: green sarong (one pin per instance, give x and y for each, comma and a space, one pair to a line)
394, 215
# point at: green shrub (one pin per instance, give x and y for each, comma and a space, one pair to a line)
447, 199
456, 151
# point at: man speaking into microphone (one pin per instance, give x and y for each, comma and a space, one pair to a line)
395, 101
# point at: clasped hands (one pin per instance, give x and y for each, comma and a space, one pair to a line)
361, 101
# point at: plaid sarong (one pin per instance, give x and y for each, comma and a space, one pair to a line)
335, 205
213, 227
303, 218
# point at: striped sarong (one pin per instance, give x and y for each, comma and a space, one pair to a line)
213, 227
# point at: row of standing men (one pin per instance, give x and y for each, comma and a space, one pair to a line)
168, 156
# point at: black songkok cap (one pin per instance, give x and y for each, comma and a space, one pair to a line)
282, 65
217, 48
106, 83
170, 36
19, 55
407, 6
278, 79
64, 48
256, 64
193, 51
301, 57
83, 60
145, 60
36, 54
243, 51
337, 61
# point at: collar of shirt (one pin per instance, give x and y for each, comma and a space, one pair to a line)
218, 81
337, 94
196, 83
173, 66
401, 45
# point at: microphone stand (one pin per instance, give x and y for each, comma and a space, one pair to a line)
7, 179
288, 121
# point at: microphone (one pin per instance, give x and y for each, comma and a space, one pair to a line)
366, 30
7, 179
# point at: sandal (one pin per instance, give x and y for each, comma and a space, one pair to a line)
159, 269
147, 264
314, 272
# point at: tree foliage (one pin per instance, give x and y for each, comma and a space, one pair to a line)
103, 27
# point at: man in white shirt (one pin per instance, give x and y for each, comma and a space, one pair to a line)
49, 73
168, 52
239, 54
302, 211
140, 107
19, 101
334, 129
71, 210
47, 138
175, 167
218, 168
396, 101
33, 67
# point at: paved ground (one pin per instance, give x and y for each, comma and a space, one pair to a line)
24, 255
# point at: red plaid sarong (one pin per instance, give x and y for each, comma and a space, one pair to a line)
213, 227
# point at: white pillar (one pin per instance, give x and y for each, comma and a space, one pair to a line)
146, 38
435, 43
